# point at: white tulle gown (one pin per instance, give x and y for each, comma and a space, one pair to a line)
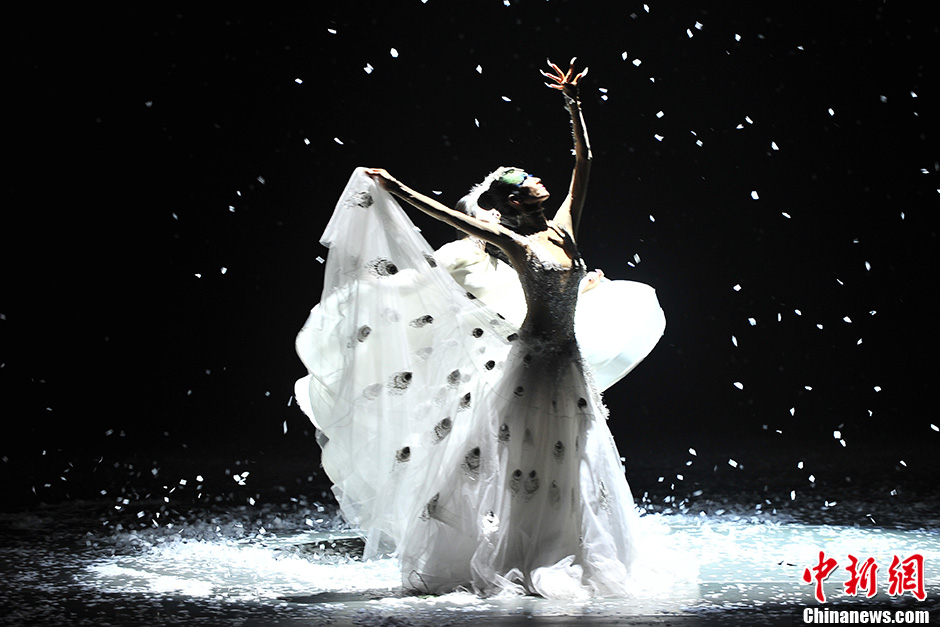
477, 451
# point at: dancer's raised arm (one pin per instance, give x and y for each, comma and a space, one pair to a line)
569, 214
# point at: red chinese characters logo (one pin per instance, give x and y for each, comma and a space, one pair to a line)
905, 575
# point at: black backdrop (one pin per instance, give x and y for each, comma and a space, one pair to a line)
771, 170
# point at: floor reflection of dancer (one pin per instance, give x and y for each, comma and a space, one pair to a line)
479, 454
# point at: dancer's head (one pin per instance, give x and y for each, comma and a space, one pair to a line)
512, 190
507, 196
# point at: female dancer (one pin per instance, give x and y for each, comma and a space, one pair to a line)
479, 454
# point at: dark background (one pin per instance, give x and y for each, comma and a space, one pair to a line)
150, 150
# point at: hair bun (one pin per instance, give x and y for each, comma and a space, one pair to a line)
486, 200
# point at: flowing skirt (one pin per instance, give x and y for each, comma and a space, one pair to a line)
482, 460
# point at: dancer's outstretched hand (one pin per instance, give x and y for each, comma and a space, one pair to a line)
383, 178
564, 81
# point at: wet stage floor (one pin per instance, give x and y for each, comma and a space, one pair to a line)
729, 559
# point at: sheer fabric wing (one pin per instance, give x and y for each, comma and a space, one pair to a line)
395, 351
